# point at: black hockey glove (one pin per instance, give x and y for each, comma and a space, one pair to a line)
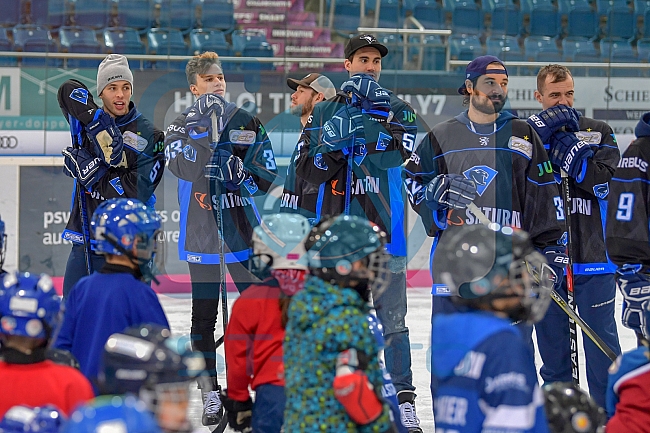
570, 154
552, 119
240, 413
635, 287
107, 138
200, 114
346, 125
83, 166
226, 168
450, 191
368, 95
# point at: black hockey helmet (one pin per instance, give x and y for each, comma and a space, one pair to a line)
571, 410
336, 243
479, 264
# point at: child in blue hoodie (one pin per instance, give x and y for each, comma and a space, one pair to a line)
483, 374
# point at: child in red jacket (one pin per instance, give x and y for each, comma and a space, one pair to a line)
255, 332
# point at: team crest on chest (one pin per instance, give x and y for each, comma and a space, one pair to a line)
482, 175
484, 141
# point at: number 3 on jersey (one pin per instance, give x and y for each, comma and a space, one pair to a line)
270, 159
625, 207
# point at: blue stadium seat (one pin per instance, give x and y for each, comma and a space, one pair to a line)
137, 14
620, 48
504, 47
124, 40
541, 48
646, 24
429, 13
565, 6
488, 6
583, 22
621, 23
640, 6
91, 13
506, 20
346, 16
50, 13
394, 58
252, 44
435, 55
643, 50
166, 42
30, 38
217, 14
466, 18
209, 40
5, 45
465, 47
177, 14
571, 45
10, 13
75, 39
527, 6
544, 21
391, 14
603, 6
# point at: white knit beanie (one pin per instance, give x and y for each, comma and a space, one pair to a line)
114, 67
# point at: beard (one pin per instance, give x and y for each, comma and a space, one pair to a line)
302, 109
488, 105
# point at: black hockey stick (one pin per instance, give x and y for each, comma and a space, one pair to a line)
573, 330
586, 329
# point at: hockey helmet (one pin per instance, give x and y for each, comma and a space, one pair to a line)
25, 419
571, 410
3, 243
278, 243
29, 305
117, 224
479, 264
117, 414
336, 243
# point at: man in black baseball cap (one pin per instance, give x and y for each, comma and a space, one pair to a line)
486, 96
363, 55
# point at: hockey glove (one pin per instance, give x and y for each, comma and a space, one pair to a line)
353, 389
106, 137
83, 166
226, 168
368, 95
340, 131
635, 287
552, 119
570, 154
450, 191
557, 261
200, 114
240, 413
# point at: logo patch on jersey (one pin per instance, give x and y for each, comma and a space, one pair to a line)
563, 239
360, 152
601, 190
484, 141
471, 365
591, 137
242, 137
521, 146
117, 185
383, 141
482, 175
193, 259
80, 95
250, 185
319, 162
135, 141
189, 153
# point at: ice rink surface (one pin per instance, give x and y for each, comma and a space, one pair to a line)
418, 320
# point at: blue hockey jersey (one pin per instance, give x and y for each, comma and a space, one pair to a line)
484, 377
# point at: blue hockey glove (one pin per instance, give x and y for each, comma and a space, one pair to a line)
557, 261
83, 166
570, 154
552, 119
342, 127
200, 114
368, 95
107, 137
635, 287
450, 191
226, 168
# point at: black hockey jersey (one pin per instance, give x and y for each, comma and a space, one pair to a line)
367, 184
628, 212
589, 200
503, 159
244, 136
142, 164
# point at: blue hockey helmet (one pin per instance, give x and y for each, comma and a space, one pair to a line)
3, 243
25, 419
118, 223
29, 305
115, 414
336, 243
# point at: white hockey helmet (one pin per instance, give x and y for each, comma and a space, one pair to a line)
278, 242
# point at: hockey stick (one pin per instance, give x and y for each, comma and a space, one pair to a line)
573, 331
586, 329
215, 191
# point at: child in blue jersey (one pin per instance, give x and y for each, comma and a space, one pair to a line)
116, 296
483, 372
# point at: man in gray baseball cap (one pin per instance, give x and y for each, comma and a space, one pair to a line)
308, 92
